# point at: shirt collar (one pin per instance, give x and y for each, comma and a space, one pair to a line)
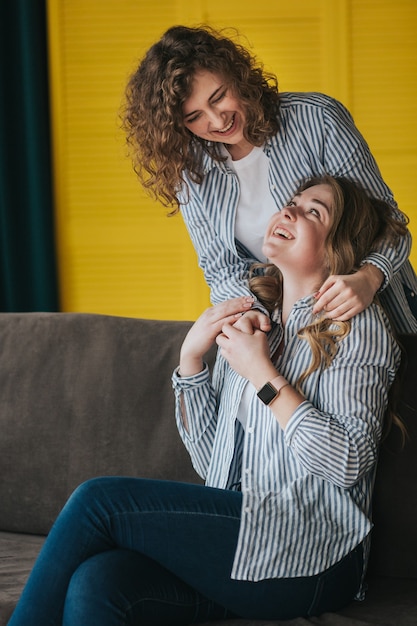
307, 302
209, 163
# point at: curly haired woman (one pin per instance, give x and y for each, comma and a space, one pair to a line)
211, 135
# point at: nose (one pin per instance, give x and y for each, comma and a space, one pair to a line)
215, 118
290, 212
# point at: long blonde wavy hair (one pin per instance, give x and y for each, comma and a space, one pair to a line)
359, 223
161, 148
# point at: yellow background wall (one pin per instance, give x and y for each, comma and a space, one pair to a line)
118, 252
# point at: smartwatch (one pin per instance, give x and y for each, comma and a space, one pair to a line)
268, 392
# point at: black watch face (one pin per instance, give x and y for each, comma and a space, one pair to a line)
267, 393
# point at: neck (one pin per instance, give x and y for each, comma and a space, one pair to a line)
240, 150
295, 289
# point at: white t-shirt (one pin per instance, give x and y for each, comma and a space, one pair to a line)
255, 208
256, 204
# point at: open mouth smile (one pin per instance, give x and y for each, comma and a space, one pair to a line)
282, 233
228, 127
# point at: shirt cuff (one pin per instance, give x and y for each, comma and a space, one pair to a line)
300, 413
188, 382
382, 264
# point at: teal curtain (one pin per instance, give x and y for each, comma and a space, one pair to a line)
27, 253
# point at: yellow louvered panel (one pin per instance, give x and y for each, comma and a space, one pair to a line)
290, 38
384, 80
118, 252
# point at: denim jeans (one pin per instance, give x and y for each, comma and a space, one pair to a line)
127, 551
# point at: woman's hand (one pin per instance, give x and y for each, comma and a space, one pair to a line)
342, 297
204, 331
247, 353
253, 320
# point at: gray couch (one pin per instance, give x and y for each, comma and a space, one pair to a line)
86, 395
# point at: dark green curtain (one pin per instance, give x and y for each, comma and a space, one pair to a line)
27, 255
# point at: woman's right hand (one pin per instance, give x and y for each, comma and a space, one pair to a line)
202, 335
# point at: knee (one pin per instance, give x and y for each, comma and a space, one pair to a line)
84, 580
104, 588
84, 591
87, 492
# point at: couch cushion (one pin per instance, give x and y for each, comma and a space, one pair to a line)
80, 396
17, 555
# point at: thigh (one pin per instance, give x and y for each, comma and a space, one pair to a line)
123, 587
189, 530
159, 519
192, 531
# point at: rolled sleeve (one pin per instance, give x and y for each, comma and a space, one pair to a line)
336, 435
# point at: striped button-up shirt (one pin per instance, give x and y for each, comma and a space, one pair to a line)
317, 136
306, 490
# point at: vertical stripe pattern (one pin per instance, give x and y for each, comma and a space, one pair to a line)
317, 136
306, 490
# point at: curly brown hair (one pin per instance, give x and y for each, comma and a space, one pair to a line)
359, 223
162, 149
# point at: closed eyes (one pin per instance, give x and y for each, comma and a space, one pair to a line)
214, 99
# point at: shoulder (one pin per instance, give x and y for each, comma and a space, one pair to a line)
313, 103
371, 338
373, 316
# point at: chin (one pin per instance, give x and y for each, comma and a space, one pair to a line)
271, 255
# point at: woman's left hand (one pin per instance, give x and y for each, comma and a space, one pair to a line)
247, 353
205, 329
253, 320
342, 297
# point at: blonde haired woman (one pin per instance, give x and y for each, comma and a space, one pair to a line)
287, 443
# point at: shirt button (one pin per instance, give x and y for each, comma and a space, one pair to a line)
250, 430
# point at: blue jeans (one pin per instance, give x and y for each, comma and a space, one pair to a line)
127, 551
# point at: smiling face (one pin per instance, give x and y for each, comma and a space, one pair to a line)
296, 235
213, 113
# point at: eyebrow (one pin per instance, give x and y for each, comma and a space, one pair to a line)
213, 95
317, 201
